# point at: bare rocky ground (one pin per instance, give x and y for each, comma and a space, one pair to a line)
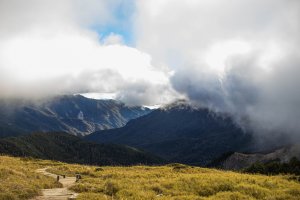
57, 193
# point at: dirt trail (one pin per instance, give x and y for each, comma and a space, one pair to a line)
57, 193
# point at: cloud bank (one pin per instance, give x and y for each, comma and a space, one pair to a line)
240, 57
49, 48
237, 56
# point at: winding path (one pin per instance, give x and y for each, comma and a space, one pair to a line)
57, 193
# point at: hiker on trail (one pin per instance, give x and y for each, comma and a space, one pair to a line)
57, 179
78, 177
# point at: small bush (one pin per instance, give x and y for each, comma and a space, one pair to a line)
157, 189
99, 169
110, 188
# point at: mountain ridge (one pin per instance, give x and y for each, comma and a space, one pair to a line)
74, 114
182, 134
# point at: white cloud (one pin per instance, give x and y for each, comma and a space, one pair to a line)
46, 48
112, 39
237, 56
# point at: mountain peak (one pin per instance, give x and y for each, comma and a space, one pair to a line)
179, 132
180, 104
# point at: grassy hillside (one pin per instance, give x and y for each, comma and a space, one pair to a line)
174, 181
18, 179
177, 181
72, 149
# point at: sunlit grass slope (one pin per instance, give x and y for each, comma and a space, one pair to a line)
177, 182
18, 179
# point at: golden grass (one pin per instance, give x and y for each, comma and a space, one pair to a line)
176, 182
18, 179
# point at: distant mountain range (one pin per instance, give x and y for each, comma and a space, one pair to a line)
74, 114
180, 133
69, 148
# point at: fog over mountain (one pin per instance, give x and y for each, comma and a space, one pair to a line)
239, 57
73, 114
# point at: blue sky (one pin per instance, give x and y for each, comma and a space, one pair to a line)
122, 23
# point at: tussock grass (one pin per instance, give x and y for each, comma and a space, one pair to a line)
170, 182
18, 179
177, 182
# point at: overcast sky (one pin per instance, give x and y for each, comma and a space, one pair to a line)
235, 56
